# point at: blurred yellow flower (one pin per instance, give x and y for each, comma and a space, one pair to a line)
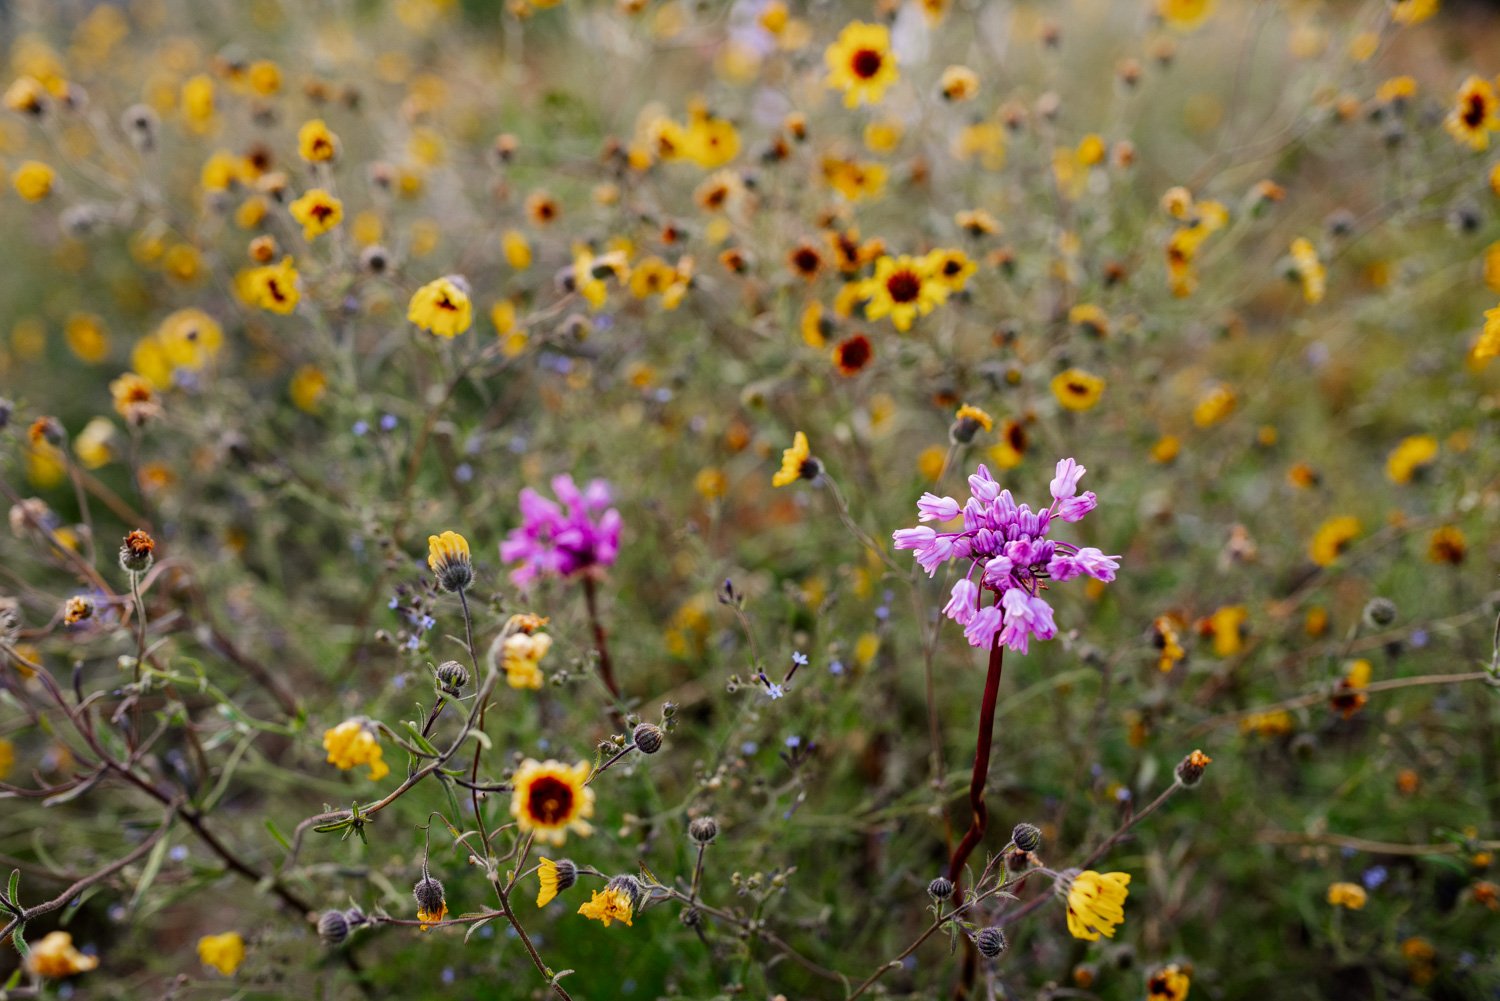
442, 307
55, 957
316, 143
1332, 538
1410, 457
1184, 15
522, 655
307, 387
273, 287
224, 952
902, 288
33, 180
1475, 114
1213, 406
1348, 895
351, 744
317, 211
861, 64
1077, 390
796, 463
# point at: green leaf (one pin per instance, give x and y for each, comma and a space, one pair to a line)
475, 927
18, 939
148, 876
13, 889
276, 833
15, 979
418, 739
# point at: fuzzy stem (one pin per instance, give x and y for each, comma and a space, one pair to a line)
606, 666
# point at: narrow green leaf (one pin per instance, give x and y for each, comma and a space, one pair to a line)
148, 876
276, 833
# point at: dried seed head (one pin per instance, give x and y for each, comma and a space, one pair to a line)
374, 259
990, 941
1028, 837
940, 889
333, 927
703, 830
648, 737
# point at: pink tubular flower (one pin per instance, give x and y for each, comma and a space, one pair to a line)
560, 540
1007, 543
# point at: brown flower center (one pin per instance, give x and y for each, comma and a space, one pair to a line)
904, 286
1474, 111
550, 801
866, 63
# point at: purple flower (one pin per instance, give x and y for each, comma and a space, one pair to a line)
1007, 543
562, 539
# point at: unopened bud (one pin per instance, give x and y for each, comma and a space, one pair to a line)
1190, 769
940, 889
703, 830
990, 941
452, 676
1028, 837
648, 738
1379, 613
332, 927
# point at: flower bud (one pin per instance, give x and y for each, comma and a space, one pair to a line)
631, 887
647, 737
333, 928
990, 941
940, 889
136, 552
1028, 837
703, 830
452, 677
429, 894
1379, 613
1190, 769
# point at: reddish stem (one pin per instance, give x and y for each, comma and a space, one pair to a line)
981, 814
606, 666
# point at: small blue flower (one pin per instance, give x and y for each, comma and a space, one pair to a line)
836, 668
361, 428
774, 692
799, 658
388, 422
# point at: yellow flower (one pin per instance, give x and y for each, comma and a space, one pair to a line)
985, 140
553, 879
1184, 15
902, 288
1228, 624
861, 64
316, 143
1350, 895
1166, 449
1309, 270
7, 756
307, 387
442, 307
1165, 638
1096, 903
1077, 390
222, 170
1268, 724
951, 268
1488, 345
55, 957
611, 905
1215, 405
1170, 983
710, 142
959, 83
134, 399
1413, 11
272, 287
318, 212
517, 250
1447, 545
430, 918
26, 96
973, 413
1410, 457
522, 656
550, 799
351, 744
797, 463
448, 558
1332, 538
224, 952
265, 77
1475, 114
854, 180
33, 180
198, 103
87, 337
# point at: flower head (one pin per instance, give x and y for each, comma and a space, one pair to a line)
861, 63
1348, 895
318, 212
582, 533
55, 957
134, 399
224, 952
1475, 114
1006, 545
316, 142
1096, 902
522, 654
448, 557
554, 878
351, 744
271, 287
550, 799
797, 463
442, 307
1169, 983
611, 905
903, 288
1332, 538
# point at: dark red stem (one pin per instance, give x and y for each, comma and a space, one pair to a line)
606, 666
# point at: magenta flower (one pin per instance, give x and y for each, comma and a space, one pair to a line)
551, 541
1007, 544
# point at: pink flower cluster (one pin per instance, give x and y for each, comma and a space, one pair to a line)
1007, 545
557, 542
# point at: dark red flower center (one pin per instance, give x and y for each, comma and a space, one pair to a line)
904, 286
1474, 111
866, 63
550, 801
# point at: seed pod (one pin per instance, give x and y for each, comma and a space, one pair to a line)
452, 676
429, 894
1028, 837
703, 830
990, 941
940, 889
648, 738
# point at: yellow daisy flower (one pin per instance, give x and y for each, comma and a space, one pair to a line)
1096, 903
903, 288
1077, 390
1332, 538
1348, 895
318, 212
797, 463
351, 744
550, 799
316, 142
1475, 114
224, 952
861, 63
610, 905
442, 307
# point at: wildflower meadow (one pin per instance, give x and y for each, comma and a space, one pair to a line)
750, 499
